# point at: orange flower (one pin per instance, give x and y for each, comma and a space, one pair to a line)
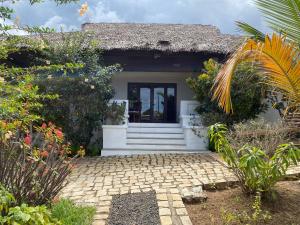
44, 154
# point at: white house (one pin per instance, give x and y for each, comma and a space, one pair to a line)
157, 59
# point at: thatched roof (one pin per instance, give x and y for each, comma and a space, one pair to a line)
163, 37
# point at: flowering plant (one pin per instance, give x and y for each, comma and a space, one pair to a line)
34, 165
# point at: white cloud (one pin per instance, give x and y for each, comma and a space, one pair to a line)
56, 22
13, 31
101, 13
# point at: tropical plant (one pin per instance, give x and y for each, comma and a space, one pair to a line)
256, 171
249, 103
277, 57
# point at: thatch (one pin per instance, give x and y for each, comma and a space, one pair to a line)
163, 37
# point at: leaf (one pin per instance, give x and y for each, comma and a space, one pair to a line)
250, 31
277, 61
283, 16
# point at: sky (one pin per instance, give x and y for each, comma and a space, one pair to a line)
221, 13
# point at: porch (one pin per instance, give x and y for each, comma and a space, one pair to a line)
132, 138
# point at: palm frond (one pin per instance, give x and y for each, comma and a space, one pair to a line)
276, 59
250, 31
283, 16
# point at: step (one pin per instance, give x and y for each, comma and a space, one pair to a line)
157, 136
156, 141
155, 130
178, 125
156, 147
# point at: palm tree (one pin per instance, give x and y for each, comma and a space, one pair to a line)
276, 56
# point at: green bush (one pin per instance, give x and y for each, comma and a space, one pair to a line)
256, 171
11, 214
84, 94
70, 214
248, 102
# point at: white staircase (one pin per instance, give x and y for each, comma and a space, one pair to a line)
155, 137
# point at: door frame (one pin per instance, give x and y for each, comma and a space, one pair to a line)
152, 86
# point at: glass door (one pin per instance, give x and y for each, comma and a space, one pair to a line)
152, 102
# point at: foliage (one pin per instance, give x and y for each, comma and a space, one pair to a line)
114, 114
33, 167
240, 218
249, 103
19, 101
70, 214
255, 170
266, 136
282, 16
23, 214
277, 57
83, 95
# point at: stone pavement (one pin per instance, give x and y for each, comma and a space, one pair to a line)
95, 180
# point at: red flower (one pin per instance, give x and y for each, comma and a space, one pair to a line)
58, 133
27, 139
44, 125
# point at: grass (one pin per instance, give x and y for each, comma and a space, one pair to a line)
70, 214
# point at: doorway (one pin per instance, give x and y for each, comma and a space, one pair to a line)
152, 102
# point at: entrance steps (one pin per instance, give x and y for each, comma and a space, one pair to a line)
155, 136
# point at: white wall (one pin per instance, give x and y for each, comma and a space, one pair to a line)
121, 80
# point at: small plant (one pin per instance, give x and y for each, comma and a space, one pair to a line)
114, 115
70, 214
257, 215
256, 171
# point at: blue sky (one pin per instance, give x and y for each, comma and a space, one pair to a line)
221, 13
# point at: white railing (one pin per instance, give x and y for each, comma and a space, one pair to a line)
191, 121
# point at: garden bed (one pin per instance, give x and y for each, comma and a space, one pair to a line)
284, 211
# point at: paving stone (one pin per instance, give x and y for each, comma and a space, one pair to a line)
186, 220
166, 220
164, 212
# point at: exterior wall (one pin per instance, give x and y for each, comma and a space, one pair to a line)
121, 80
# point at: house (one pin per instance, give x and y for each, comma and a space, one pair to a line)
157, 59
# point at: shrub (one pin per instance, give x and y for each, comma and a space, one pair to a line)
33, 167
84, 94
70, 214
266, 136
256, 171
23, 214
249, 103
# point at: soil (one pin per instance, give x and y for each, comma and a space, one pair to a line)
285, 210
134, 209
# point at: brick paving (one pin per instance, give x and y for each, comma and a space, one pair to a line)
95, 180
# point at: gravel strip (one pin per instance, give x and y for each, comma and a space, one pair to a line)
134, 209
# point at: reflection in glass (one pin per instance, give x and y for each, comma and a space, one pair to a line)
159, 100
145, 94
171, 105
